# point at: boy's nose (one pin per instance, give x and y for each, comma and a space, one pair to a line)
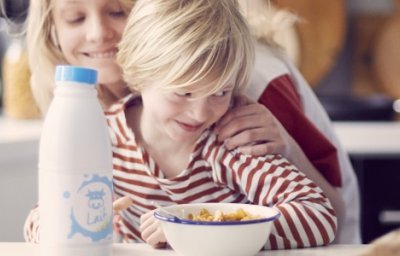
200, 110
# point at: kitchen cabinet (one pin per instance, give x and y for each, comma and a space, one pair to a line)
379, 181
374, 150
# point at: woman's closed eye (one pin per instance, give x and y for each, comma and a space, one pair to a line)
76, 20
74, 17
117, 13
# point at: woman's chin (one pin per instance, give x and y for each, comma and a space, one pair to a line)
111, 75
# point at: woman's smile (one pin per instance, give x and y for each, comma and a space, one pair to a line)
108, 54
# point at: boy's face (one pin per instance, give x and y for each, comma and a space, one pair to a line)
182, 117
88, 32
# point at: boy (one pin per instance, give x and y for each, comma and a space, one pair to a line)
188, 59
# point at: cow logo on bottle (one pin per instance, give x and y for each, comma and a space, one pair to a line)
91, 213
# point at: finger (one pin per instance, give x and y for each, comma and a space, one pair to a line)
157, 237
146, 220
247, 123
117, 218
237, 112
151, 232
263, 149
253, 127
242, 110
116, 223
253, 108
248, 136
122, 203
147, 230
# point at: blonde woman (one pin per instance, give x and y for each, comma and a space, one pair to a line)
278, 85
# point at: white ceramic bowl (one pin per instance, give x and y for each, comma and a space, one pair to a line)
202, 238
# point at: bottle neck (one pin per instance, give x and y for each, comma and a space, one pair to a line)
74, 88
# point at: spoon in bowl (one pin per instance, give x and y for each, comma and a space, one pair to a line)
163, 213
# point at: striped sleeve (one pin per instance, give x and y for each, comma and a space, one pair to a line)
307, 217
31, 226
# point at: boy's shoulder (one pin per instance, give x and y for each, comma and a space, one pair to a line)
117, 120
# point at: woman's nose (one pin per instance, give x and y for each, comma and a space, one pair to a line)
99, 30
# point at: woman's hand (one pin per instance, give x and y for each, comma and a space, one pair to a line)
253, 129
151, 230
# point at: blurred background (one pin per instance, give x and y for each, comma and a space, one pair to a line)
348, 51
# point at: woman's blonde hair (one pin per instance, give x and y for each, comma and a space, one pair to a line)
43, 50
266, 20
177, 43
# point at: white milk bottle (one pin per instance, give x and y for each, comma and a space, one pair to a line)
75, 170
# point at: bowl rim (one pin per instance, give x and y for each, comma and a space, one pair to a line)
173, 219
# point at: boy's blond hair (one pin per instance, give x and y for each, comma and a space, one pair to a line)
43, 50
176, 43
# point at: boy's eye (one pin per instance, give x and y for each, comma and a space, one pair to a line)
221, 93
184, 94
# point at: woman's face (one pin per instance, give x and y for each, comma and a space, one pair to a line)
88, 32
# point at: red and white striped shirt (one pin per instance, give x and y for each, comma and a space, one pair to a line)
215, 174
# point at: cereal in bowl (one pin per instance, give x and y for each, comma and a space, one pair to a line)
239, 215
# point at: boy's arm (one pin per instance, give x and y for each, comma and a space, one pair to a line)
307, 217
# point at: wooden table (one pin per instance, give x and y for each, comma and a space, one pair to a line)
23, 249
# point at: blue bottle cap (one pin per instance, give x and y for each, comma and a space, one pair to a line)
75, 74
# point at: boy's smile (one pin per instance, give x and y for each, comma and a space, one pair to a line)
189, 127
